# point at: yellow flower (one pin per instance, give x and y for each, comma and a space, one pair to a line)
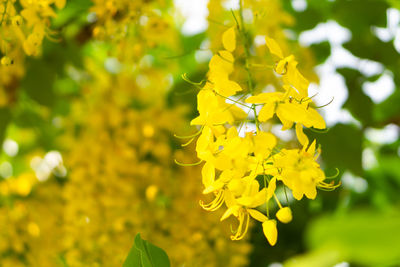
287, 66
229, 39
221, 66
214, 111
287, 110
263, 145
299, 171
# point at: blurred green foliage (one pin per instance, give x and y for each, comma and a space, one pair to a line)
357, 227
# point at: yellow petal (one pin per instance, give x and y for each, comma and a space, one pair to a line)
286, 124
223, 162
221, 63
294, 77
274, 47
257, 215
284, 215
229, 212
213, 187
227, 56
205, 139
282, 67
264, 98
236, 186
298, 195
232, 132
263, 144
271, 188
203, 143
229, 39
266, 112
226, 87
237, 112
291, 112
208, 174
311, 149
259, 199
270, 231
229, 199
245, 201
303, 139
314, 119
310, 192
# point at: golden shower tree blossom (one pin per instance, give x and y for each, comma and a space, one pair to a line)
236, 160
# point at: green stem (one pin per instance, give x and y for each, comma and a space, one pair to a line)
246, 44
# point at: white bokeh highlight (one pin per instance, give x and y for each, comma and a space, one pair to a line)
10, 147
195, 14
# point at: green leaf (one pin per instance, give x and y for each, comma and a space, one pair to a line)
360, 15
341, 148
321, 51
359, 104
308, 19
363, 237
371, 47
389, 110
145, 254
38, 82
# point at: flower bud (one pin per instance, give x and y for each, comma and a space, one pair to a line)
270, 231
284, 215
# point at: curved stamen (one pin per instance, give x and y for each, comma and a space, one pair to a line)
190, 136
333, 176
240, 234
188, 164
215, 204
188, 142
326, 104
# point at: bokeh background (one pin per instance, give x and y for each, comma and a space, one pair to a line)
88, 125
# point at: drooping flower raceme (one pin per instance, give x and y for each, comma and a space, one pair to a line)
24, 24
243, 169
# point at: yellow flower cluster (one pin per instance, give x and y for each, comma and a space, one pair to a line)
23, 26
124, 20
127, 184
30, 220
260, 18
121, 180
243, 169
130, 184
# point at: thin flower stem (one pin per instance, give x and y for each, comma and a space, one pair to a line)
277, 201
241, 125
265, 185
261, 66
230, 99
287, 199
